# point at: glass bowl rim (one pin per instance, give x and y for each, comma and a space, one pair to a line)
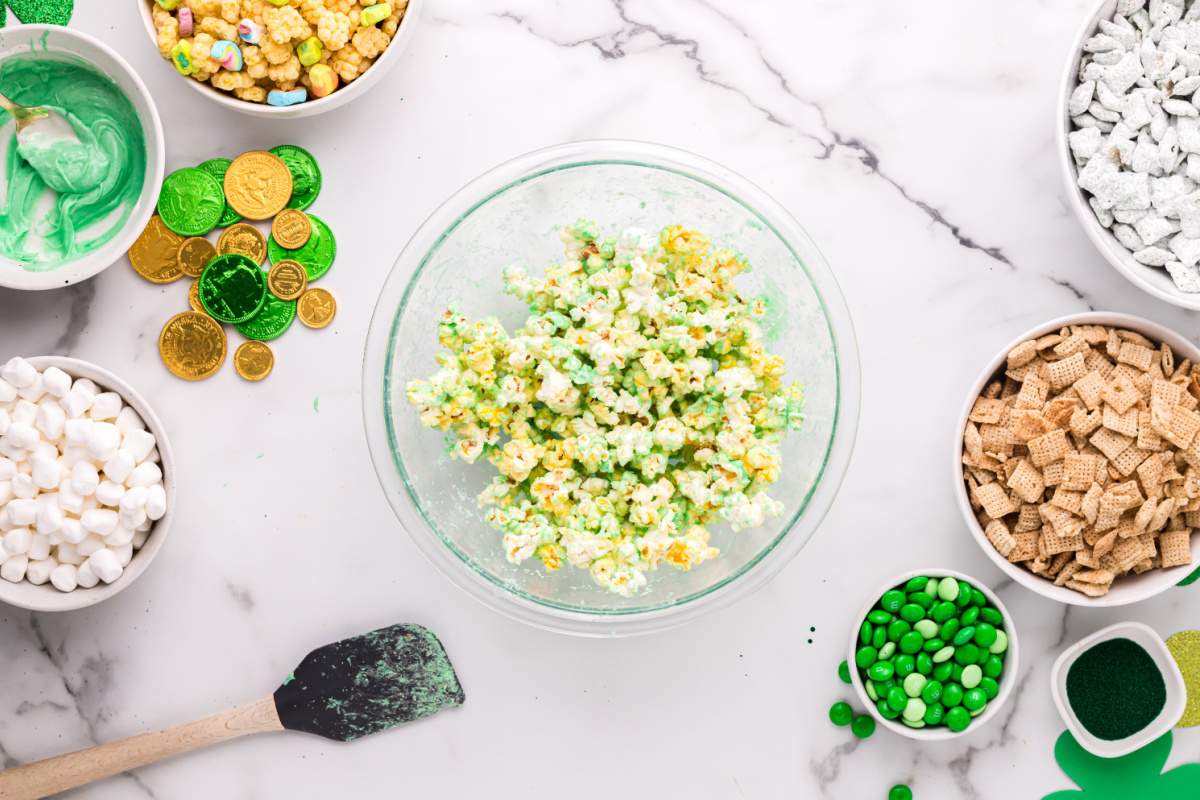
392, 303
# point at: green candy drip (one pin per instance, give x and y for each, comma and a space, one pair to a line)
95, 182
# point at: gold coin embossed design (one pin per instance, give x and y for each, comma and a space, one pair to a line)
316, 308
258, 185
192, 345
155, 253
253, 360
291, 228
194, 255
287, 280
194, 298
245, 240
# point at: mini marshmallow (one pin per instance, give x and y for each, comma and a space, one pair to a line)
69, 500
63, 577
18, 541
118, 468
124, 554
8, 392
19, 372
23, 435
76, 431
100, 521
51, 419
156, 502
50, 517
138, 443
76, 403
22, 512
85, 478
109, 493
8, 468
134, 499
47, 473
106, 565
86, 578
57, 382
25, 412
67, 554
14, 568
72, 531
139, 538
23, 486
103, 441
134, 519
107, 405
5, 421
39, 547
120, 536
145, 474
73, 455
87, 386
39, 570
89, 545
128, 420
6, 492
34, 391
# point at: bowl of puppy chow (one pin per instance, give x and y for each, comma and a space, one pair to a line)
1129, 141
87, 484
280, 58
1077, 459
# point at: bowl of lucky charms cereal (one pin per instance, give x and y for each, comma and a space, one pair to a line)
643, 399
1128, 136
81, 179
87, 484
1077, 459
280, 58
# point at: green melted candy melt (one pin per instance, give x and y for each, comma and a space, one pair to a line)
65, 198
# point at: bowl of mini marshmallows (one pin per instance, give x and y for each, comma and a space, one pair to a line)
86, 484
1129, 141
1077, 459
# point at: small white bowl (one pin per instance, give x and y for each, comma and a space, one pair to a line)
1128, 589
1154, 280
54, 39
1171, 712
46, 597
342, 95
1007, 679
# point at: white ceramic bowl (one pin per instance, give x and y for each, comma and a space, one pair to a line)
1171, 712
1129, 589
344, 93
53, 39
1008, 678
1154, 280
46, 597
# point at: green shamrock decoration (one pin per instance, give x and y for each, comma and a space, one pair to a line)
1190, 579
1138, 774
45, 12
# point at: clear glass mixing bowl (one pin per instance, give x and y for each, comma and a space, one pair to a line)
511, 215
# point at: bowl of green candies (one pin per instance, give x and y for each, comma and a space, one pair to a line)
933, 654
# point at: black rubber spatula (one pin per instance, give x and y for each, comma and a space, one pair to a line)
341, 691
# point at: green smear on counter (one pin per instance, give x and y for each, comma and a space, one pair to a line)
94, 183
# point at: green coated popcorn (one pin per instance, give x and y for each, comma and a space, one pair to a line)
635, 407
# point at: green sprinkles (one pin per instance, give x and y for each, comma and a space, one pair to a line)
1115, 689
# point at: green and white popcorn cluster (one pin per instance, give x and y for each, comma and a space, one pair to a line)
635, 407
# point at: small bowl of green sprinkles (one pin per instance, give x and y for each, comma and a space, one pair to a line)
933, 654
1118, 689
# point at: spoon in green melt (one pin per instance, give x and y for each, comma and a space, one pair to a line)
342, 691
51, 145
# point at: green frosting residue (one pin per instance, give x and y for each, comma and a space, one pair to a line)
65, 197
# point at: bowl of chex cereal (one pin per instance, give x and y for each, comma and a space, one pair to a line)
1077, 459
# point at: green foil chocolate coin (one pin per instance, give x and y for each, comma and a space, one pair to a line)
271, 321
306, 175
317, 254
191, 202
232, 288
217, 167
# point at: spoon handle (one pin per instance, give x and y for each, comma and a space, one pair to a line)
57, 774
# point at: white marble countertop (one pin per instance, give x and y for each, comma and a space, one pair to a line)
916, 144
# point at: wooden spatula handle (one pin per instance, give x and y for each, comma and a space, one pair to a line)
42, 778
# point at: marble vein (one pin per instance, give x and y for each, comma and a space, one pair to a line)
78, 315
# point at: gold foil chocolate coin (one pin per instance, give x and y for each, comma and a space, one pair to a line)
194, 255
194, 298
291, 228
155, 253
192, 345
253, 360
287, 280
316, 308
245, 240
258, 185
